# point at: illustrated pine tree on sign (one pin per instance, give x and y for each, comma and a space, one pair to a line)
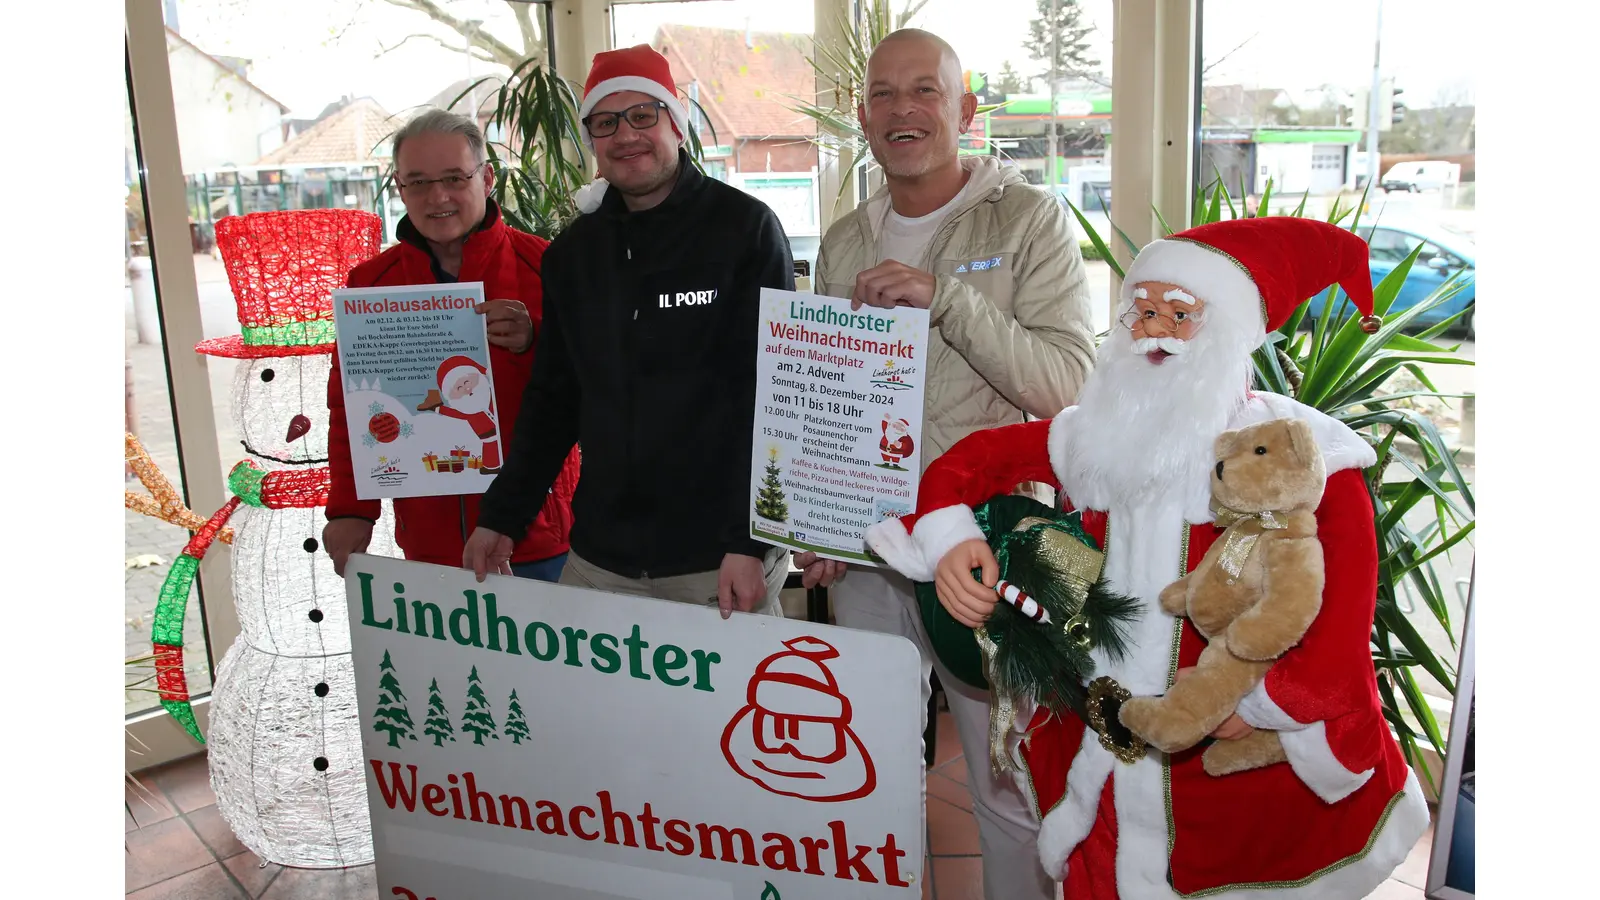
770, 502
516, 722
392, 717
438, 724
477, 718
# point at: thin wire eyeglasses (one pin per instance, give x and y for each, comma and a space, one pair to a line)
450, 182
1132, 317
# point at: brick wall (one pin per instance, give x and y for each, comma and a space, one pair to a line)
787, 155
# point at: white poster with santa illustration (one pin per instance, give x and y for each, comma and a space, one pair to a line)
525, 739
838, 425
419, 390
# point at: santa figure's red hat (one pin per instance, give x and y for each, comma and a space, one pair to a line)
1270, 264
639, 68
454, 368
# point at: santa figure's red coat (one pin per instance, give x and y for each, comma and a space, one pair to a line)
1333, 822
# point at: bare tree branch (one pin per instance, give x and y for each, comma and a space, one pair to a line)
912, 8
477, 52
499, 51
1224, 57
339, 34
530, 31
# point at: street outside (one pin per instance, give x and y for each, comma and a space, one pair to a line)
149, 540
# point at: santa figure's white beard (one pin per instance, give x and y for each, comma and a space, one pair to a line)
1143, 432
475, 402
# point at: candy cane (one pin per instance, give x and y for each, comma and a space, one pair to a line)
1025, 604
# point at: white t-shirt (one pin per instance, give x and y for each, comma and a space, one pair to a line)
906, 240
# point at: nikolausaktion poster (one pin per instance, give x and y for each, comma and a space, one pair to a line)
419, 390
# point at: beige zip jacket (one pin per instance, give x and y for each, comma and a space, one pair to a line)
1010, 328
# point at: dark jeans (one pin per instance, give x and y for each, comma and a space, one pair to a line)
541, 569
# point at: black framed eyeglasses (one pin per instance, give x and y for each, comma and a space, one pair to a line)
639, 117
450, 182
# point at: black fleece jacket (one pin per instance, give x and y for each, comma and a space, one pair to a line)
646, 360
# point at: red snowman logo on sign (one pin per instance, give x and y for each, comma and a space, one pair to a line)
793, 735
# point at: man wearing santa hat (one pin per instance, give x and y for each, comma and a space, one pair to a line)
1134, 456
647, 358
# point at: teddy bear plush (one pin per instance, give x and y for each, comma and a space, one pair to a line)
1252, 596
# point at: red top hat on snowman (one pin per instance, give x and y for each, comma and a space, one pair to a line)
283, 267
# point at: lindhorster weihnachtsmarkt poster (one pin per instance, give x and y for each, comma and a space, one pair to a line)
838, 424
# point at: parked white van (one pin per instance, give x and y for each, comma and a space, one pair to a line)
1423, 175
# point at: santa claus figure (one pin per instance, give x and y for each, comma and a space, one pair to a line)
466, 393
1133, 457
896, 444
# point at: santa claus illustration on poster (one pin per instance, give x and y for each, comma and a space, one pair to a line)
896, 444
419, 392
468, 395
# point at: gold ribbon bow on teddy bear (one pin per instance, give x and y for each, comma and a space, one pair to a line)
1239, 542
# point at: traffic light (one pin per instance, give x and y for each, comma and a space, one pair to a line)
1390, 110
1360, 106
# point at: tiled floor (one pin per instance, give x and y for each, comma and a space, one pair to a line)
179, 847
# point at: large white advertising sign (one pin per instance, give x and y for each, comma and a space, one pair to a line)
525, 739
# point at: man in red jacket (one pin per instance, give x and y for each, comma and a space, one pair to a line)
453, 232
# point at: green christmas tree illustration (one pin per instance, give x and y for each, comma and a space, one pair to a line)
770, 502
392, 717
438, 724
477, 718
516, 723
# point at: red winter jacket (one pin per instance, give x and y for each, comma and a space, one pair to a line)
435, 529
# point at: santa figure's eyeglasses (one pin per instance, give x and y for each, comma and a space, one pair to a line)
1131, 318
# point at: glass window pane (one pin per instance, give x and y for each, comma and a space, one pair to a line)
748, 58
283, 105
1289, 101
150, 544
290, 105
1055, 124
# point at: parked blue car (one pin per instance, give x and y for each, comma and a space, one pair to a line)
1444, 253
